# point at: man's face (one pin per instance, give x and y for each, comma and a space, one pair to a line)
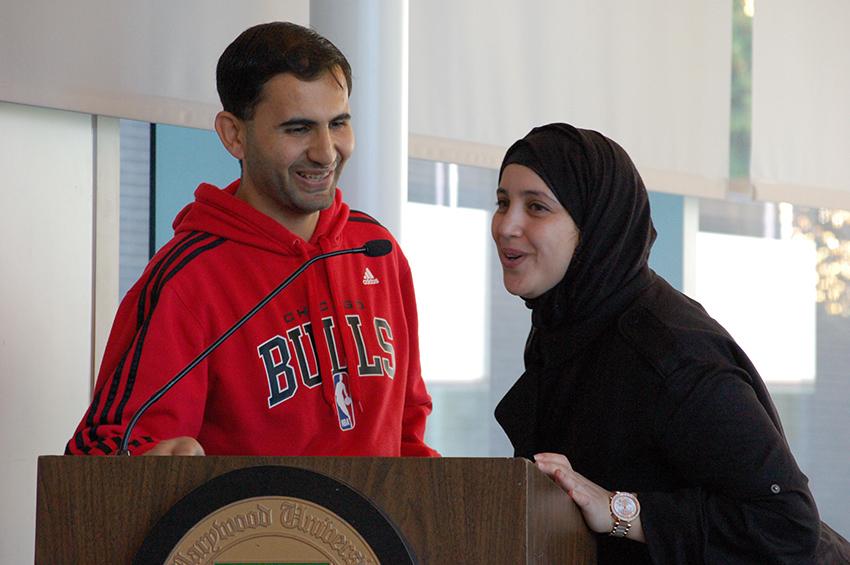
296, 145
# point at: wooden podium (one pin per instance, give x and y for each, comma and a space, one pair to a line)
99, 510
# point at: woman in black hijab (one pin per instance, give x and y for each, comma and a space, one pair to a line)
634, 400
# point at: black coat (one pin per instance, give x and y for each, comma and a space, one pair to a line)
643, 391
663, 402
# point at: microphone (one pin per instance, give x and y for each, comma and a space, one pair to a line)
377, 247
373, 248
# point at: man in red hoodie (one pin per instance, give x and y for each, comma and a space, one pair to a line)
331, 365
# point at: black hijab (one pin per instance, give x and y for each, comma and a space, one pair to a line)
597, 183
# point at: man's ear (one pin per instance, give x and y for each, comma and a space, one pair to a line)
231, 132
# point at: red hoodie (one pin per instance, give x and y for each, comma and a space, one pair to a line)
329, 367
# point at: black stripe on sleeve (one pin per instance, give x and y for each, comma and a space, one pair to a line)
138, 342
162, 265
156, 273
137, 354
90, 415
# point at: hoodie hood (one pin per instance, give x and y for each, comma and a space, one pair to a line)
217, 211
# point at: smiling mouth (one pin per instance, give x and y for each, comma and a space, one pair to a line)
511, 257
315, 177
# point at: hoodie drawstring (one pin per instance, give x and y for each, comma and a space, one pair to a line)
346, 348
341, 343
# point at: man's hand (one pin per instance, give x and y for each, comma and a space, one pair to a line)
184, 445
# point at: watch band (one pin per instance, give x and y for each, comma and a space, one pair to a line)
621, 528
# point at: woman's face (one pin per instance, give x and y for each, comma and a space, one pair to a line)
534, 234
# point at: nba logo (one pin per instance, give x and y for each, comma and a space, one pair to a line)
344, 408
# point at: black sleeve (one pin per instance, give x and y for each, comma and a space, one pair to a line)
752, 503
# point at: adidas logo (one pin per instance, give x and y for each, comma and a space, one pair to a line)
369, 278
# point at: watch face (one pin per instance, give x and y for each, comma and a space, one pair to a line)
625, 506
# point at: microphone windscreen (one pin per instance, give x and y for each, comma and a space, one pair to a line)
378, 247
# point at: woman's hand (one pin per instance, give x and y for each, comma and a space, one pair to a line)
591, 498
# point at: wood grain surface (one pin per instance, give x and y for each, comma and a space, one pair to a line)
98, 510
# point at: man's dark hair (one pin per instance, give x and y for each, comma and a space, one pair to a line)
266, 50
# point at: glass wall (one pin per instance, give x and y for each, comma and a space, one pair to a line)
135, 202
460, 200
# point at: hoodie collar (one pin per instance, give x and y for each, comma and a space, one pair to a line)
219, 212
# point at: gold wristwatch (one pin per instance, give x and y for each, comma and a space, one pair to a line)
625, 508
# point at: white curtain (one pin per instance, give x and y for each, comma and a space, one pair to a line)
653, 75
151, 61
801, 102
